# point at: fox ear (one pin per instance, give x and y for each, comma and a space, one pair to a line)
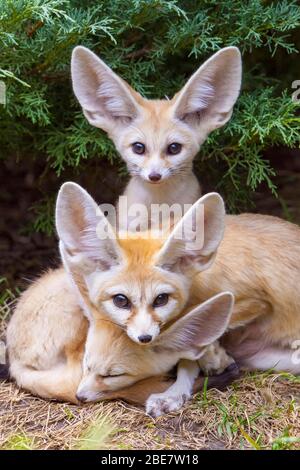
87, 240
106, 99
198, 328
196, 237
207, 99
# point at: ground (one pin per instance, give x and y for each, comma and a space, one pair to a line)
259, 411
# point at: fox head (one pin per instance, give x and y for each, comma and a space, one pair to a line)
138, 281
157, 138
112, 362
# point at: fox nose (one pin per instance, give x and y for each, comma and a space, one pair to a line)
145, 338
154, 176
80, 398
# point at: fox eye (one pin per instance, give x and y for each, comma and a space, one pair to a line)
161, 300
138, 148
108, 376
174, 148
121, 301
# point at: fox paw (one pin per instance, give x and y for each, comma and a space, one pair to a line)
159, 404
215, 360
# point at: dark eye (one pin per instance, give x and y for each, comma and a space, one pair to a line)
121, 301
138, 148
161, 299
174, 148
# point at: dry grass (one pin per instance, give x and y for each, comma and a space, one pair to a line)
259, 411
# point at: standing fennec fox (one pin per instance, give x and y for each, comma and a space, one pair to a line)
158, 139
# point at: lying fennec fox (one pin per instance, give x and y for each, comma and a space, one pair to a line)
158, 139
257, 261
54, 352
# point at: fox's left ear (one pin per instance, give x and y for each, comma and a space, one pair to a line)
207, 99
196, 237
198, 328
87, 240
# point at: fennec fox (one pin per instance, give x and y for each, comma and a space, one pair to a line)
54, 352
140, 281
158, 139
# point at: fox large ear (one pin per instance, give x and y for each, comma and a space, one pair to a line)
207, 99
196, 237
106, 99
198, 328
87, 240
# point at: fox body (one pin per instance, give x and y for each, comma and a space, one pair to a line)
158, 139
258, 261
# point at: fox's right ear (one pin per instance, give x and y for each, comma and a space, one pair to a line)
107, 100
194, 241
87, 240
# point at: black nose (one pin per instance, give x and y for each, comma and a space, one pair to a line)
145, 338
154, 176
80, 398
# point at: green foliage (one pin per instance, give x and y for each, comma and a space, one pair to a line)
97, 435
285, 441
8, 297
19, 442
154, 45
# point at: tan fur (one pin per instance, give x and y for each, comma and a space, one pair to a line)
54, 355
47, 311
258, 260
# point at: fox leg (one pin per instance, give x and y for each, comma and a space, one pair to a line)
215, 360
177, 394
58, 383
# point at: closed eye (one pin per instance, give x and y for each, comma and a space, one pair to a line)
110, 376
